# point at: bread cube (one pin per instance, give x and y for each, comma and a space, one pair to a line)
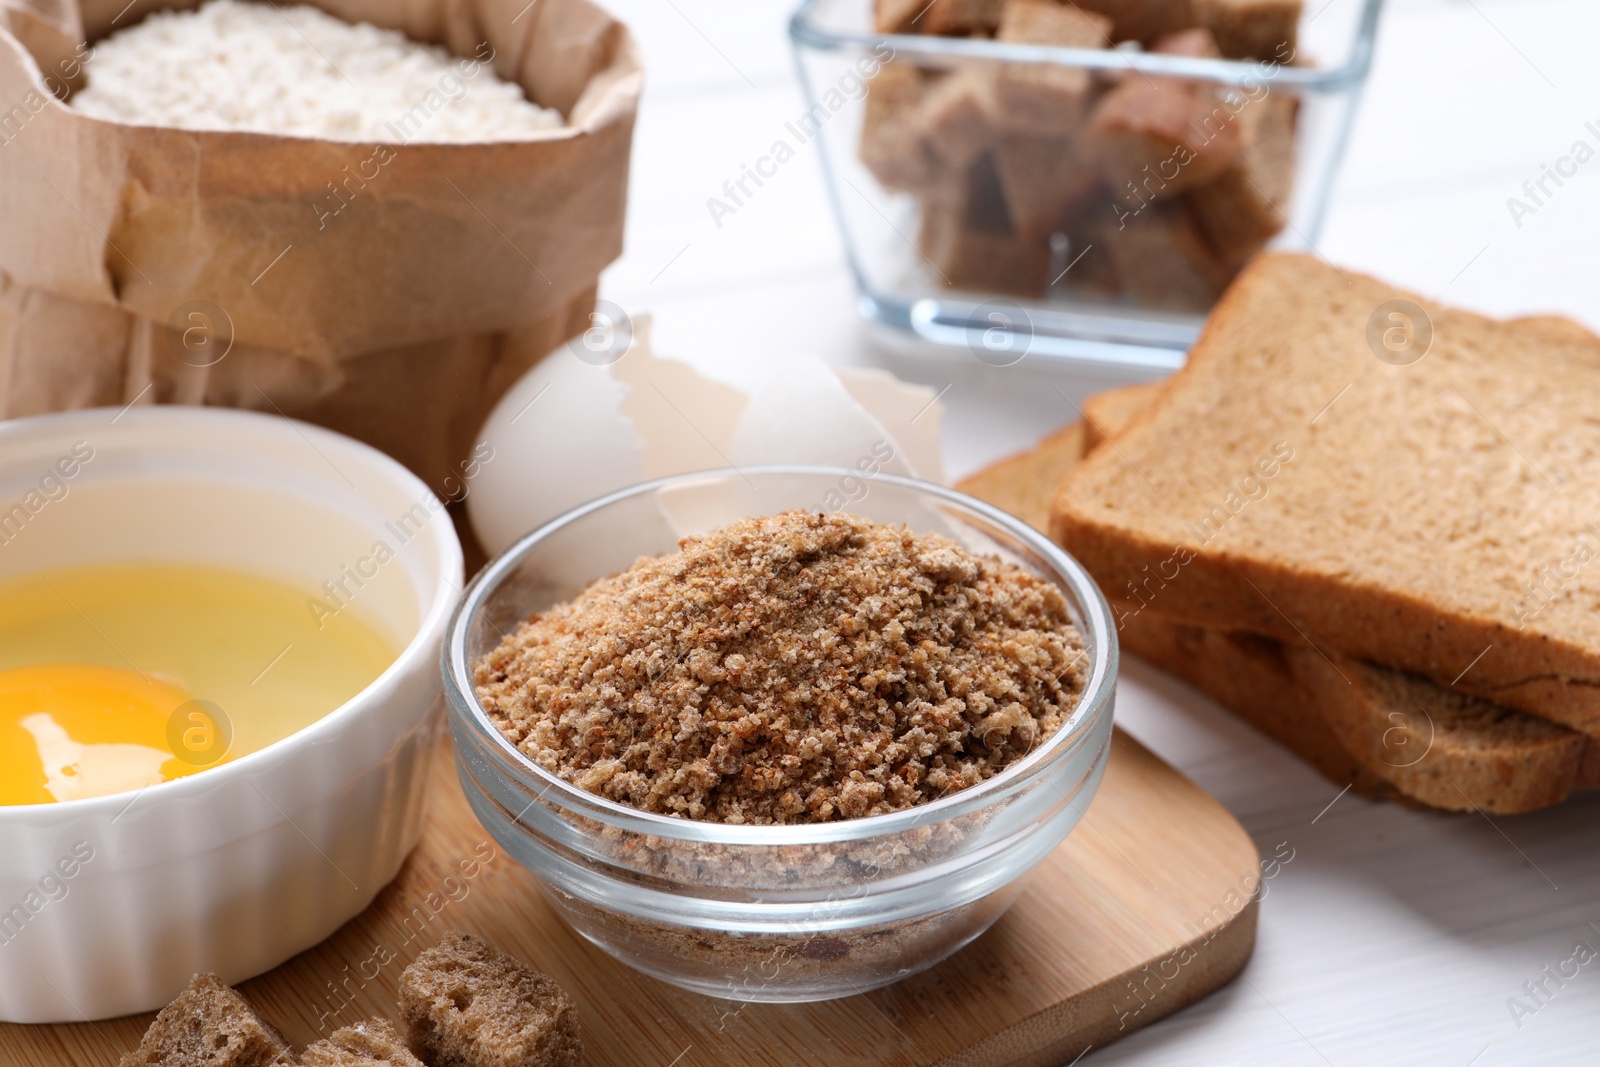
968, 257
1252, 29
1246, 205
209, 1025
961, 17
1157, 141
967, 236
1046, 98
959, 115
1163, 260
1143, 20
1053, 22
893, 145
1157, 137
1041, 178
1085, 264
373, 1043
1196, 42
467, 1004
896, 16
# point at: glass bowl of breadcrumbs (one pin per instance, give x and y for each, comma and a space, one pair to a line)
781, 733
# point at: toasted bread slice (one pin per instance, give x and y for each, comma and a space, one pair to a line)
1386, 734
1253, 678
1106, 414
1504, 760
1434, 517
1024, 484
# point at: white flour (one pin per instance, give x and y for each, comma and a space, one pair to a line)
233, 65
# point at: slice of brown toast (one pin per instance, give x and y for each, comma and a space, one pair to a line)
1253, 678
1024, 484
1386, 734
1433, 517
1503, 760
1106, 414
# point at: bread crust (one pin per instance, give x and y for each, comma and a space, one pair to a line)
1254, 678
1108, 413
1385, 734
1023, 484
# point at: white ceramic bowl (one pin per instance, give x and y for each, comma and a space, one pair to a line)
237, 868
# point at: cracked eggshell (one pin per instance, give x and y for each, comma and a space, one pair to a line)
910, 413
569, 432
559, 439
681, 419
805, 415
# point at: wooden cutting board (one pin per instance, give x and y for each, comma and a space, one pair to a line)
1144, 909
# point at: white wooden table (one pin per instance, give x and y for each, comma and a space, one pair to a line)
1393, 936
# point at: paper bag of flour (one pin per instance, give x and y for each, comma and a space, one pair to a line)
390, 291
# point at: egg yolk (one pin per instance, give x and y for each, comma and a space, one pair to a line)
75, 730
114, 676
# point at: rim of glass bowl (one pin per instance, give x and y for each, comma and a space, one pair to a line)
1092, 609
807, 30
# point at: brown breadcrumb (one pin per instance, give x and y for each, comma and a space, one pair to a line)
795, 668
467, 1004
371, 1043
210, 1025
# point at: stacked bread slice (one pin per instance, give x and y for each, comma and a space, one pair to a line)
1381, 562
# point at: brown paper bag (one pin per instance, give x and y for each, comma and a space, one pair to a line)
389, 291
